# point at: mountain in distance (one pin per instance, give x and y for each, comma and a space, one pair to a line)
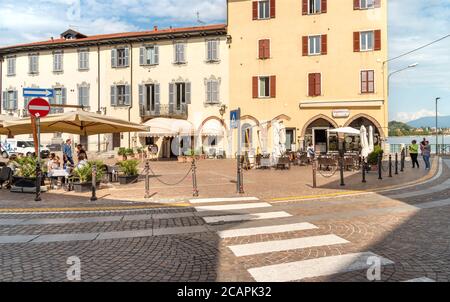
430, 121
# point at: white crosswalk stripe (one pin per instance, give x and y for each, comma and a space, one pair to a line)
246, 217
234, 207
266, 230
422, 279
223, 200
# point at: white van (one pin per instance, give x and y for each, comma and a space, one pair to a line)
21, 146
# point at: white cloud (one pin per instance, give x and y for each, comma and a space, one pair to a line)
411, 116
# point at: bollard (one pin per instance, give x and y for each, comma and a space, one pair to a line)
94, 183
342, 170
314, 170
390, 165
194, 179
380, 167
364, 170
38, 181
396, 163
147, 180
402, 161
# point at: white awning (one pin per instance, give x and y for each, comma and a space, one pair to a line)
212, 128
166, 127
345, 130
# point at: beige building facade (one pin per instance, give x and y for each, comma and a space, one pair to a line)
310, 64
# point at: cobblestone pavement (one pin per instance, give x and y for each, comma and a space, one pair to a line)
406, 232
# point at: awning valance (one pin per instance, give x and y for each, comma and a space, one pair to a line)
212, 128
166, 127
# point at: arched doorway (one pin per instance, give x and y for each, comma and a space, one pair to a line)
247, 136
315, 133
363, 120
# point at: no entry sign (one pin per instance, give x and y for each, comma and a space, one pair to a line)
39, 107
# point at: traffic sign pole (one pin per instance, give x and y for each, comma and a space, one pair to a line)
38, 164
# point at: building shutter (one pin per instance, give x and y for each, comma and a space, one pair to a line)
363, 81
80, 96
216, 91
157, 99
273, 86
113, 58
272, 8
156, 54
127, 95
255, 10
86, 59
127, 57
15, 100
113, 96
255, 87
323, 6
55, 62
318, 84
171, 97
188, 93
356, 4
377, 34
64, 96
304, 7
141, 56
305, 45
311, 84
377, 3
267, 49
261, 49
356, 41
324, 45
5, 100
141, 99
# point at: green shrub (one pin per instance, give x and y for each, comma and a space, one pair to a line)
84, 173
27, 167
129, 167
373, 157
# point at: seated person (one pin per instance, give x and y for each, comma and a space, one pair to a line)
50, 163
12, 163
81, 161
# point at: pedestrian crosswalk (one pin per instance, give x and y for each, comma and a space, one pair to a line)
267, 225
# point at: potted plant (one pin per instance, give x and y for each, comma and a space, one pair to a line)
140, 152
129, 170
190, 155
181, 158
84, 175
123, 152
372, 159
25, 174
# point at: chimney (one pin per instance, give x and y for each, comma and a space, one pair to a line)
155, 28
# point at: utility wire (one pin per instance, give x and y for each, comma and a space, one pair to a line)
417, 49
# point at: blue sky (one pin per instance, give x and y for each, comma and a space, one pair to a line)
412, 23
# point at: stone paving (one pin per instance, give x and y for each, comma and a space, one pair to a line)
411, 237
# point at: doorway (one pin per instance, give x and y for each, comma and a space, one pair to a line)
290, 139
116, 141
320, 139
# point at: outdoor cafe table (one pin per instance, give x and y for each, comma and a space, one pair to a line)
58, 174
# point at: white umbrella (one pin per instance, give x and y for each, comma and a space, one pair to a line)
364, 143
345, 130
276, 139
371, 145
283, 139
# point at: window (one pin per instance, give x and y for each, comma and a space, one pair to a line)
365, 4
180, 53
314, 45
83, 60
60, 98
57, 61
120, 96
179, 96
367, 40
264, 49
149, 55
10, 100
314, 84
264, 9
264, 87
212, 50
367, 81
83, 95
314, 6
120, 57
212, 92
33, 64
149, 97
11, 68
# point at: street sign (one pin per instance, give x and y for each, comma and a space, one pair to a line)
38, 92
38, 108
235, 116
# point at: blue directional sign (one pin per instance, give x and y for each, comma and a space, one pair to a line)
38, 92
235, 117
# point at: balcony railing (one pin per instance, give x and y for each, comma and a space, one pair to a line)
173, 111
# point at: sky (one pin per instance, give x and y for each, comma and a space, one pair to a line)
412, 23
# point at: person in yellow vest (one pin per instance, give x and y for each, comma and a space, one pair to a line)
414, 153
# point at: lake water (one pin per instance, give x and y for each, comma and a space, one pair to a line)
408, 139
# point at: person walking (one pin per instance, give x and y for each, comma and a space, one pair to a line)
414, 153
80, 150
67, 153
311, 153
426, 153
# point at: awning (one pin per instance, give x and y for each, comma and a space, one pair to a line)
212, 128
166, 127
345, 130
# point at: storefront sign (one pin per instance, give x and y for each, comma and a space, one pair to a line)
341, 113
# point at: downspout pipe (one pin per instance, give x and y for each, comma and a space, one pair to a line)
98, 93
131, 92
1, 83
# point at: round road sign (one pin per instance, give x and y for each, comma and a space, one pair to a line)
39, 107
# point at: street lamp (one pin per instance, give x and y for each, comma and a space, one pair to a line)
437, 133
397, 71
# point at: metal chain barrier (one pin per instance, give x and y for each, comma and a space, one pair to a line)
170, 184
329, 175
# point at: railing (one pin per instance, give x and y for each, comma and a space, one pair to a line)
442, 148
180, 111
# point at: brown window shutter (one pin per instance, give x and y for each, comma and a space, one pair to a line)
323, 6
305, 45
377, 40
272, 8
304, 7
255, 87
377, 3
273, 86
311, 84
261, 49
324, 45
267, 49
356, 4
255, 10
356, 41
318, 85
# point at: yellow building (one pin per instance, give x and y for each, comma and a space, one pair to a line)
312, 64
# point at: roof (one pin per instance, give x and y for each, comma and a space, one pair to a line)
156, 34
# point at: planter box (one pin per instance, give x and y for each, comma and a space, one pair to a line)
83, 187
125, 180
181, 159
189, 159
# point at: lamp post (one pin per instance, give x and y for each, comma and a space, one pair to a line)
397, 71
437, 132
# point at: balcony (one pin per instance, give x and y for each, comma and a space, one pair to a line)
170, 111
